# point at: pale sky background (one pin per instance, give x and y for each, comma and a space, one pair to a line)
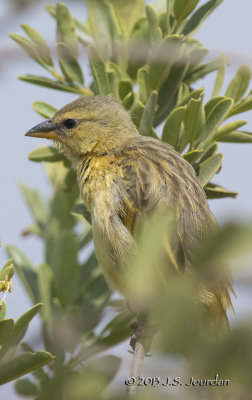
228, 30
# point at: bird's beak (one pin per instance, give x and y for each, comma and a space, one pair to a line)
45, 130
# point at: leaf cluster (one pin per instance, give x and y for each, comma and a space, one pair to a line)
13, 366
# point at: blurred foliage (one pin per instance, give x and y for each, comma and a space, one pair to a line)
146, 56
13, 366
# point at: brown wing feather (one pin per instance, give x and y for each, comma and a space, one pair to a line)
156, 177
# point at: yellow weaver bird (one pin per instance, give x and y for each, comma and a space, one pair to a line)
123, 177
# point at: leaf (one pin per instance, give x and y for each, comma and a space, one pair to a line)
195, 94
6, 329
10, 346
127, 13
40, 44
137, 112
125, 87
69, 65
232, 126
98, 70
192, 156
143, 80
128, 100
23, 364
214, 119
214, 191
145, 127
35, 204
194, 119
212, 103
44, 109
66, 29
25, 270
199, 71
171, 130
7, 271
168, 91
98, 20
3, 312
236, 137
243, 106
49, 83
25, 387
182, 8
45, 283
117, 330
46, 154
84, 35
219, 80
210, 150
199, 16
160, 66
28, 47
65, 265
153, 21
208, 168
94, 378
82, 210
239, 84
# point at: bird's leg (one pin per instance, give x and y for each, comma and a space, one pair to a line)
142, 331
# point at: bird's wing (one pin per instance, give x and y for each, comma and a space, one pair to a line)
157, 177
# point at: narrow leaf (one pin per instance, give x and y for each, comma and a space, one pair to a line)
49, 83
194, 119
192, 156
214, 191
239, 84
143, 80
66, 29
209, 168
44, 109
35, 203
69, 64
243, 106
66, 268
45, 283
23, 364
182, 8
98, 70
168, 91
153, 21
47, 154
199, 16
40, 43
29, 47
220, 76
6, 330
26, 271
146, 123
215, 118
171, 130
236, 137
125, 87
160, 66
232, 126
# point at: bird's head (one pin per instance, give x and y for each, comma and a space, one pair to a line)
90, 124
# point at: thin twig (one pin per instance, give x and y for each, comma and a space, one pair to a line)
136, 366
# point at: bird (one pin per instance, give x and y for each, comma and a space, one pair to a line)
124, 178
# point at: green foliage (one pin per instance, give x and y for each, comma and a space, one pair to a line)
146, 56
12, 334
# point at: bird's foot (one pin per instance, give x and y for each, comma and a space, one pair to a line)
142, 332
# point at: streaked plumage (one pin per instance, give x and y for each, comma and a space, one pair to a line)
123, 177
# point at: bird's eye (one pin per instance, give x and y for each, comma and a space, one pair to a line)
69, 123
